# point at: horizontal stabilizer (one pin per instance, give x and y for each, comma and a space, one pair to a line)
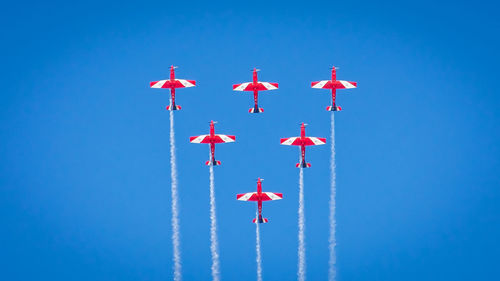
260, 220
254, 110
333, 108
303, 165
174, 107
212, 163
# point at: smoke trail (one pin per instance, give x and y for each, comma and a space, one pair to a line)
332, 242
257, 249
175, 212
301, 273
213, 229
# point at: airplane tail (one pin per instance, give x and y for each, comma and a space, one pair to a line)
256, 110
174, 107
212, 163
260, 220
333, 108
303, 165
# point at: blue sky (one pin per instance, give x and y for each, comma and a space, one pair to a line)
85, 176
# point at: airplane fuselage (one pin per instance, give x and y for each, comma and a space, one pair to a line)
172, 89
259, 194
334, 91
212, 143
303, 146
255, 91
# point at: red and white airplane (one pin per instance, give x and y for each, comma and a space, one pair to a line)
255, 86
303, 141
212, 139
333, 84
172, 84
259, 196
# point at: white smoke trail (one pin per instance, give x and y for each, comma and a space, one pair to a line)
332, 241
257, 249
175, 211
301, 273
213, 229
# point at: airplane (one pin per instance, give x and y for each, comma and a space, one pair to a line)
333, 84
303, 141
259, 196
255, 86
212, 139
172, 84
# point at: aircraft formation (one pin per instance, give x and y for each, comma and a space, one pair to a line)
255, 86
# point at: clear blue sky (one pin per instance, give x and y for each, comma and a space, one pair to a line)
84, 176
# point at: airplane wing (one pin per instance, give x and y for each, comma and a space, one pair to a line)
216, 139
241, 87
339, 84
308, 141
291, 141
266, 196
177, 83
324, 84
314, 141
223, 138
261, 86
250, 196
200, 139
